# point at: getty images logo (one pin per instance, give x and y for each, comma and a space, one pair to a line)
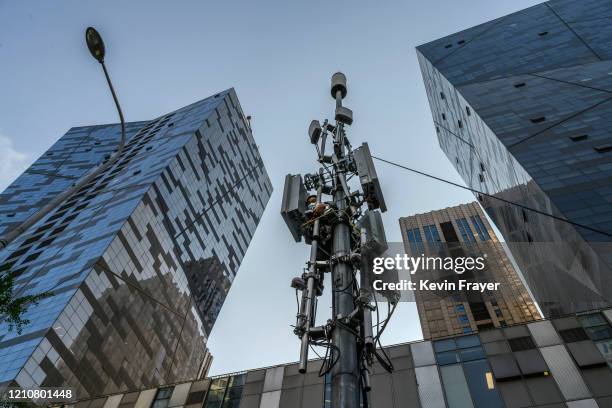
413, 264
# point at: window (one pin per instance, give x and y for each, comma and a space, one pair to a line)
463, 319
579, 138
598, 332
449, 357
479, 311
44, 228
162, 398
57, 215
465, 230
18, 253
482, 167
468, 111
543, 33
444, 345
455, 387
460, 123
603, 148
498, 313
327, 393
525, 218
431, 234
59, 229
472, 353
481, 177
521, 343
539, 119
572, 335
45, 243
443, 116
477, 371
481, 230
605, 348
442, 95
481, 384
448, 45
216, 392
414, 237
461, 42
449, 232
233, 394
464, 348
520, 85
592, 319
196, 397
460, 308
31, 240
32, 257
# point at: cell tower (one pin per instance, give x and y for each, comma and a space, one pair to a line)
343, 237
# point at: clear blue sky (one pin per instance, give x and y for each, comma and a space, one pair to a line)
279, 56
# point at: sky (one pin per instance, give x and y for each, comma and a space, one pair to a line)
279, 56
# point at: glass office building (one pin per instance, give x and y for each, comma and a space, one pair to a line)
522, 107
139, 261
558, 363
461, 231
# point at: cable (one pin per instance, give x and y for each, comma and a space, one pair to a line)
496, 198
384, 323
384, 360
326, 367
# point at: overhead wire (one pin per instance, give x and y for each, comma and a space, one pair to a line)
422, 173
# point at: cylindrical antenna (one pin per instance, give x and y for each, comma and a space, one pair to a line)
338, 83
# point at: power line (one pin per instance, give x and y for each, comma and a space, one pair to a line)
494, 197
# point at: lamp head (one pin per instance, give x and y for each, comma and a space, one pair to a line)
95, 44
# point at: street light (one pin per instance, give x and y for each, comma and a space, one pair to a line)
95, 44
97, 50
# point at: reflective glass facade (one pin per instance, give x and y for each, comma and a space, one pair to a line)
457, 232
519, 366
522, 107
139, 261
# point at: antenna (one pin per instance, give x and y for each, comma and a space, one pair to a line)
343, 238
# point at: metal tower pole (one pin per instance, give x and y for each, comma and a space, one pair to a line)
343, 238
345, 374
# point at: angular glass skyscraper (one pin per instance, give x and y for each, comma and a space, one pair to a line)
523, 109
139, 261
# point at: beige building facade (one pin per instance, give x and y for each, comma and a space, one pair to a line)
460, 231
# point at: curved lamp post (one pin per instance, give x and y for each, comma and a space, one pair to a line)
97, 50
